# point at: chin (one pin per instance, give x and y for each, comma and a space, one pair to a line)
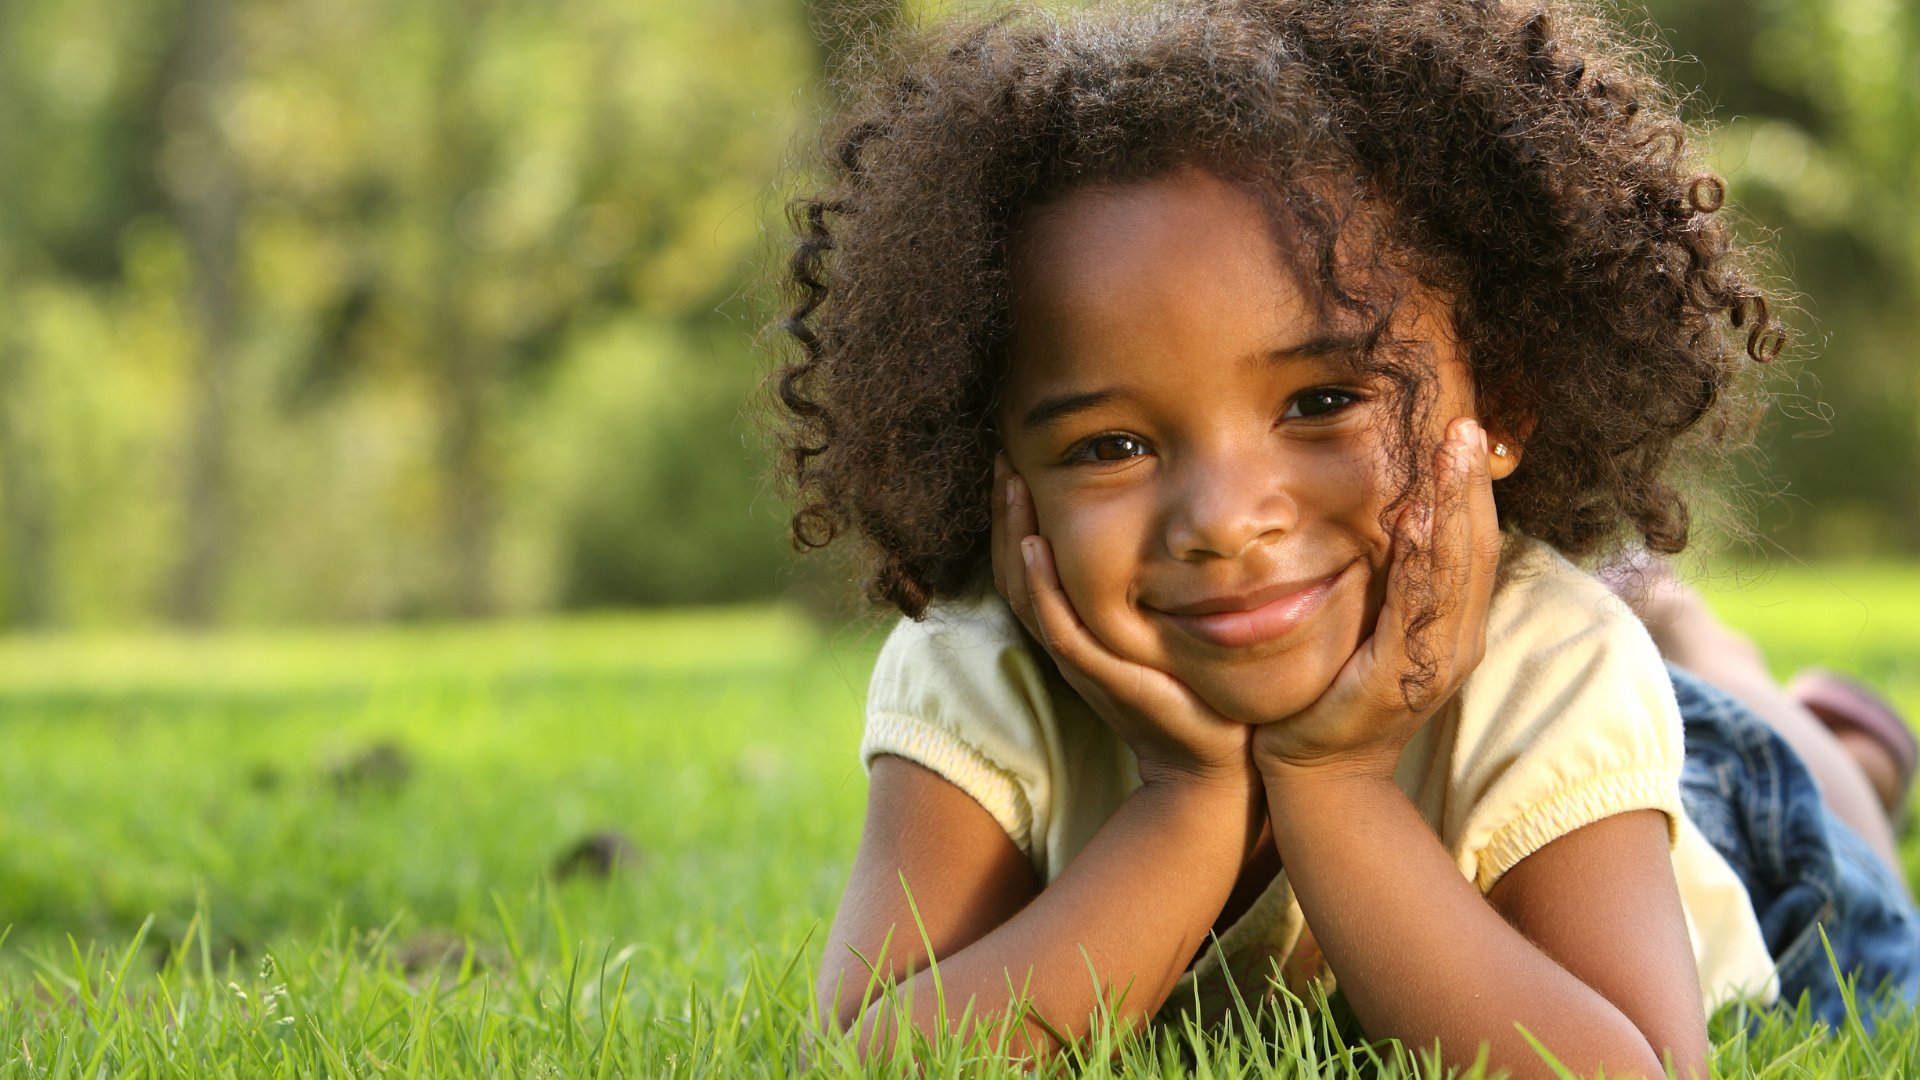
1265, 686
1258, 701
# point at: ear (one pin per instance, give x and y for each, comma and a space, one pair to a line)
1505, 456
1507, 440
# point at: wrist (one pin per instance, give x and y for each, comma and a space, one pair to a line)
1349, 766
1327, 780
1198, 780
1226, 804
1317, 806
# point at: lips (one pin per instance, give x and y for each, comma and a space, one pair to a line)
1241, 619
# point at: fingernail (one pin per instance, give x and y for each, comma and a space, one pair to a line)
1026, 550
1468, 431
999, 467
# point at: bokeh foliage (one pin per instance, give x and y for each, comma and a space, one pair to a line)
339, 309
354, 309
1819, 111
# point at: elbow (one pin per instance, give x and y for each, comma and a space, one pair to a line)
862, 1036
844, 1019
856, 1018
1686, 1062
838, 1011
845, 1030
1627, 1053
865, 1030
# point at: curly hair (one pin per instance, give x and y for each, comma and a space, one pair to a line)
1528, 165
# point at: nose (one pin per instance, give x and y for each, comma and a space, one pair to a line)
1220, 512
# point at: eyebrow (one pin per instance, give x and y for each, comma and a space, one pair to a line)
1330, 343
1060, 406
1052, 409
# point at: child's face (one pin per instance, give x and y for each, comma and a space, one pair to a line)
1210, 481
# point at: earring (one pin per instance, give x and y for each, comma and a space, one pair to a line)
1499, 449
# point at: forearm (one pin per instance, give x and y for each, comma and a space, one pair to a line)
1419, 953
1130, 911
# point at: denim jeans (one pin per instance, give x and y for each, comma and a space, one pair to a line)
1803, 868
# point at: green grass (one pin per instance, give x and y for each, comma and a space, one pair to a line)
333, 852
1863, 619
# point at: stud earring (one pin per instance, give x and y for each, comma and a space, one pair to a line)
1499, 449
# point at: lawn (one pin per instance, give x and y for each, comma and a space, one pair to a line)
599, 846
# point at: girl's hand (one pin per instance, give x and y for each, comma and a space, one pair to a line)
1171, 731
1445, 556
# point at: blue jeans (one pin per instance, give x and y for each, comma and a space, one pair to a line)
1803, 868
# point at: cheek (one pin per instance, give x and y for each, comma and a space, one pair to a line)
1348, 490
1094, 541
1098, 546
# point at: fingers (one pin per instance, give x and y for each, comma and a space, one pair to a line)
1446, 557
1386, 649
1483, 545
1465, 553
1466, 543
1024, 573
997, 538
1058, 627
1013, 523
1161, 719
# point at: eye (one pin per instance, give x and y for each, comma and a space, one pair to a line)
1319, 401
1109, 448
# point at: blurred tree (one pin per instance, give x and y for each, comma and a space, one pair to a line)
346, 309
199, 174
24, 514
463, 364
77, 86
1820, 139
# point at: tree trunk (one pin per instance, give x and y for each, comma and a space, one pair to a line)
463, 368
460, 377
206, 195
24, 514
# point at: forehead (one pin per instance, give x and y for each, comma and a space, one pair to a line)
1109, 244
1170, 275
1185, 261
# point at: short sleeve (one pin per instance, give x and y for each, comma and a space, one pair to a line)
959, 693
1570, 718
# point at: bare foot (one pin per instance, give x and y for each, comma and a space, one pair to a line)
1883, 772
1867, 727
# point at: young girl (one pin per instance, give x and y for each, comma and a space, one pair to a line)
1220, 390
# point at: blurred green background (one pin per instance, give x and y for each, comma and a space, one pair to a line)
321, 310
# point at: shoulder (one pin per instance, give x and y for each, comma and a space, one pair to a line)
1563, 652
961, 693
961, 653
1569, 718
1553, 628
1543, 602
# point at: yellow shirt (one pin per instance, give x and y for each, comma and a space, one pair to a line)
1570, 718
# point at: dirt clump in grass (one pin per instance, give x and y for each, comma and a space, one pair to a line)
264, 778
599, 855
432, 951
383, 766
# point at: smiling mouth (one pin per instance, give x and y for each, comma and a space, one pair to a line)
1237, 622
